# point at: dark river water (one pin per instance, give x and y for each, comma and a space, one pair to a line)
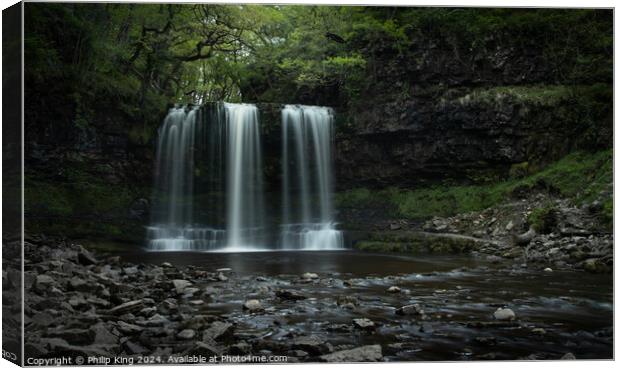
557, 312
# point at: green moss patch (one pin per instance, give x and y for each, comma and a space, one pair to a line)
581, 176
416, 243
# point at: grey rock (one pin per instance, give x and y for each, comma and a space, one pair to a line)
309, 276
133, 348
504, 314
128, 328
103, 336
44, 281
241, 348
204, 349
78, 284
410, 310
180, 285
253, 305
129, 307
347, 299
568, 356
368, 353
86, 258
76, 336
364, 323
218, 331
525, 238
289, 295
186, 334
393, 289
156, 320
314, 345
60, 346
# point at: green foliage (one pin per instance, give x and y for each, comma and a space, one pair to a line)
608, 213
581, 176
543, 219
415, 243
519, 170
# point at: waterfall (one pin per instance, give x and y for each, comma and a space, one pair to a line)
307, 210
218, 148
245, 186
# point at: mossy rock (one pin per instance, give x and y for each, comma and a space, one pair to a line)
519, 170
596, 265
415, 243
543, 219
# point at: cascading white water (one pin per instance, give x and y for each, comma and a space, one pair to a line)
245, 185
174, 167
223, 146
307, 139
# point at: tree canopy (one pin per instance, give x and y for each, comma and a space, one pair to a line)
134, 59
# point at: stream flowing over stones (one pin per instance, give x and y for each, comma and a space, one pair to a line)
224, 140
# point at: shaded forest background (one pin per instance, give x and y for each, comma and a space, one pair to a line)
135, 59
440, 110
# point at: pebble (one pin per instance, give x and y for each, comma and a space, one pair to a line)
504, 314
568, 356
187, 334
309, 276
253, 305
364, 323
393, 289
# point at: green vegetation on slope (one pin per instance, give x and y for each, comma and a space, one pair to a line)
79, 204
580, 176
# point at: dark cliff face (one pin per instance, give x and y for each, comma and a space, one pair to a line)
466, 135
441, 111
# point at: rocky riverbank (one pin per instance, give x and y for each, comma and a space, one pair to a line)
534, 229
540, 232
81, 304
